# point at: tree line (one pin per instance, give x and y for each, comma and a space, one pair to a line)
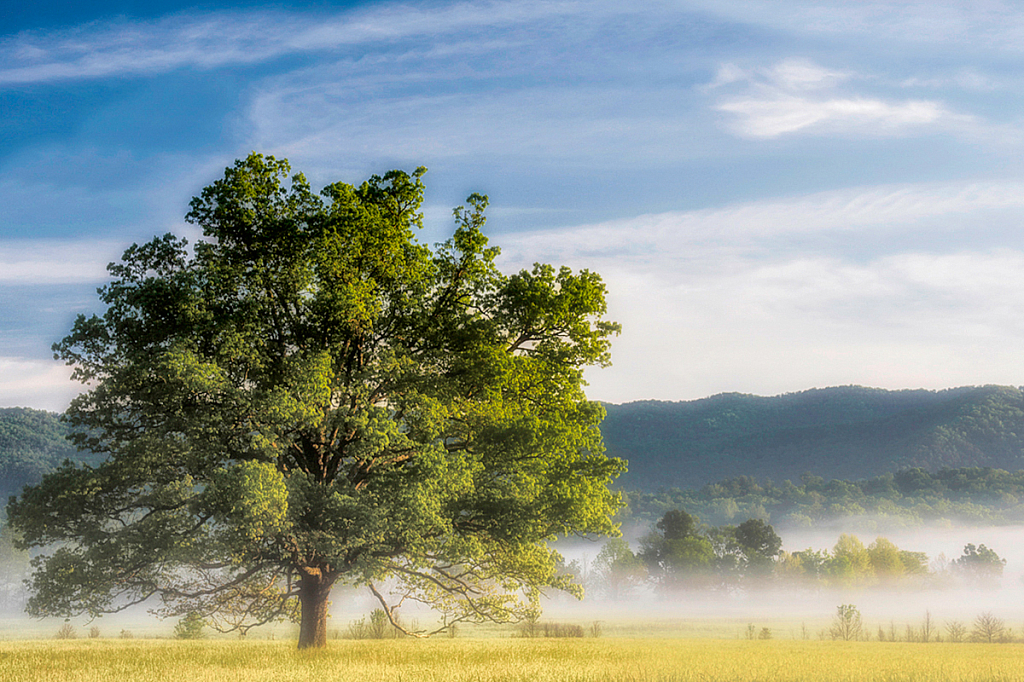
680, 553
978, 495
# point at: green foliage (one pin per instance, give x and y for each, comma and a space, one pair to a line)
309, 395
759, 543
909, 497
619, 570
980, 565
32, 443
190, 627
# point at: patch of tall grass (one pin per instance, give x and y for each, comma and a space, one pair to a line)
509, 660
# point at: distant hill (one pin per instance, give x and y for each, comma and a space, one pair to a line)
32, 443
847, 432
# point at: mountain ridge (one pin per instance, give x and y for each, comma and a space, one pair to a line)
849, 432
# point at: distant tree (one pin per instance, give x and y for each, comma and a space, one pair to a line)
886, 561
847, 624
676, 525
980, 565
988, 628
620, 571
760, 545
850, 563
677, 554
309, 395
914, 563
813, 563
14, 569
190, 627
956, 631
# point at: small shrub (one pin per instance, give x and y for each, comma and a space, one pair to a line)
67, 631
596, 629
766, 633
528, 627
562, 630
94, 632
190, 626
847, 624
379, 626
988, 628
356, 630
126, 634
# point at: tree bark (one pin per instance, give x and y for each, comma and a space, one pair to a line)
314, 589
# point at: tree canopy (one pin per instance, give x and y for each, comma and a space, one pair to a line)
309, 395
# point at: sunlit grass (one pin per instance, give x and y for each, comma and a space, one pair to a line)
508, 660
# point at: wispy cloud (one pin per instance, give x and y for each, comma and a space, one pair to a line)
977, 26
827, 219
890, 286
214, 40
42, 261
798, 95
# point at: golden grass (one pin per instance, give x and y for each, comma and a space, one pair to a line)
509, 660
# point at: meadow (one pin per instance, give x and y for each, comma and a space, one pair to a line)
606, 659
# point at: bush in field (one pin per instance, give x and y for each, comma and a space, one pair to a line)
561, 630
378, 627
94, 632
531, 627
126, 634
190, 626
988, 628
847, 624
67, 631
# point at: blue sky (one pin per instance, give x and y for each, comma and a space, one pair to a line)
778, 195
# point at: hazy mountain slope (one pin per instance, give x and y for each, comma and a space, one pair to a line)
32, 442
845, 432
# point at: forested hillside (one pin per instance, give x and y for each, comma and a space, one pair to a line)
32, 442
845, 432
850, 433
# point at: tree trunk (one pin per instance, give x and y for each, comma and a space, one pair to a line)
314, 589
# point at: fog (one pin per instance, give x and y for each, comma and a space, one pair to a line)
789, 611
787, 606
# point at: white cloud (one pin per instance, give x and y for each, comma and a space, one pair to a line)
51, 261
768, 297
798, 95
780, 114
774, 226
36, 383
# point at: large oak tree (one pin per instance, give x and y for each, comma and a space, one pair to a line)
308, 395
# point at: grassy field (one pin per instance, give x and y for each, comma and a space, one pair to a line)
508, 660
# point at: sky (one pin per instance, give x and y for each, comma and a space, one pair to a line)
779, 196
